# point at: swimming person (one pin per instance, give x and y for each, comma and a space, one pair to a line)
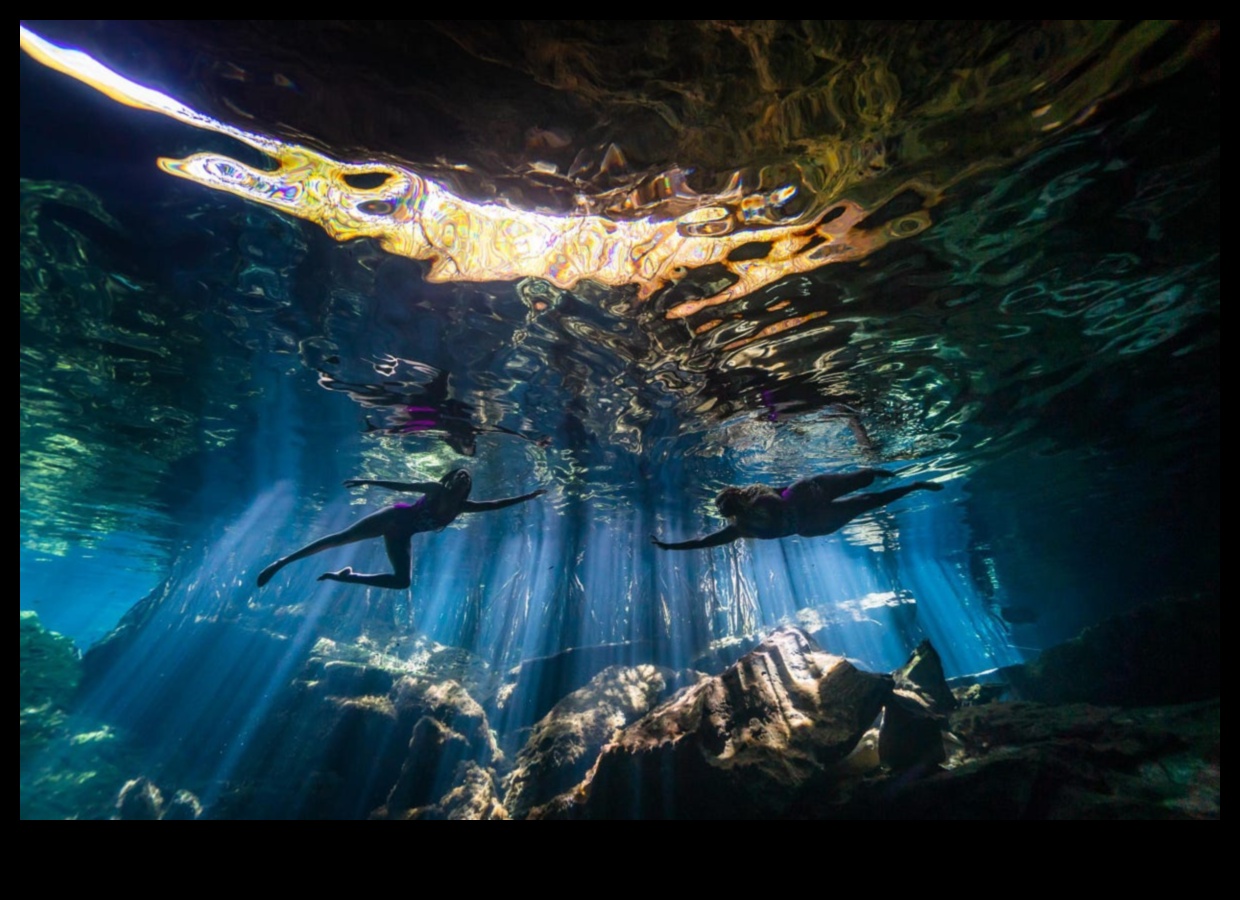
442, 502
808, 507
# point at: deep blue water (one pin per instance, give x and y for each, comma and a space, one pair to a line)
1048, 349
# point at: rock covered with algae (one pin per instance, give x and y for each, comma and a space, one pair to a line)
356, 736
70, 768
51, 665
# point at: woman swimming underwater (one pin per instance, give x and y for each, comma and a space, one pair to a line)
442, 502
808, 507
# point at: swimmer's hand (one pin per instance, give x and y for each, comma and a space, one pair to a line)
658, 543
355, 482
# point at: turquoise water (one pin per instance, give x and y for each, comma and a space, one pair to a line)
200, 374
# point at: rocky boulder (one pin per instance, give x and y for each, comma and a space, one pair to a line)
1074, 761
350, 739
1165, 652
916, 712
473, 797
566, 741
537, 684
755, 741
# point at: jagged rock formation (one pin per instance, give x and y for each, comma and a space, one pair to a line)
50, 666
565, 742
916, 713
1164, 652
473, 796
1035, 761
752, 742
532, 688
451, 734
784, 732
358, 739
139, 800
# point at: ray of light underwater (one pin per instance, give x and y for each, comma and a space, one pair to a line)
200, 373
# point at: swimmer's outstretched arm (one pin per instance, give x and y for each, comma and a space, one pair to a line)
540, 441
485, 505
418, 487
726, 536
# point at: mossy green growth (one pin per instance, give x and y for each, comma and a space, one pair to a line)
51, 665
68, 771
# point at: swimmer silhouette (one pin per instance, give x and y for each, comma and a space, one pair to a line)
808, 507
444, 500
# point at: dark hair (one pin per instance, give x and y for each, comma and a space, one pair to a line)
733, 501
451, 476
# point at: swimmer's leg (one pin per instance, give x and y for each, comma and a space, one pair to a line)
838, 513
372, 526
822, 488
402, 567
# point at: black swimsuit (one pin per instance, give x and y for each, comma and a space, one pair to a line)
769, 516
420, 516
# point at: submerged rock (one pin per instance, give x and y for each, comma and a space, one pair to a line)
140, 800
445, 773
49, 671
50, 666
916, 712
71, 766
566, 741
923, 675
537, 684
826, 623
781, 733
753, 742
435, 751
1161, 653
970, 691
348, 739
184, 806
911, 733
474, 797
1034, 761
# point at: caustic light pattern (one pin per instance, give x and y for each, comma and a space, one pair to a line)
465, 241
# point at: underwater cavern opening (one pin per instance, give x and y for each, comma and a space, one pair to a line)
615, 270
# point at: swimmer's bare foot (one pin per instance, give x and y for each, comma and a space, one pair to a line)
265, 575
336, 576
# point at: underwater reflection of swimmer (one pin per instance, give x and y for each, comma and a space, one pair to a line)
853, 418
808, 508
442, 502
423, 409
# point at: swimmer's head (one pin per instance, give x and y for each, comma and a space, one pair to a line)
458, 483
730, 502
